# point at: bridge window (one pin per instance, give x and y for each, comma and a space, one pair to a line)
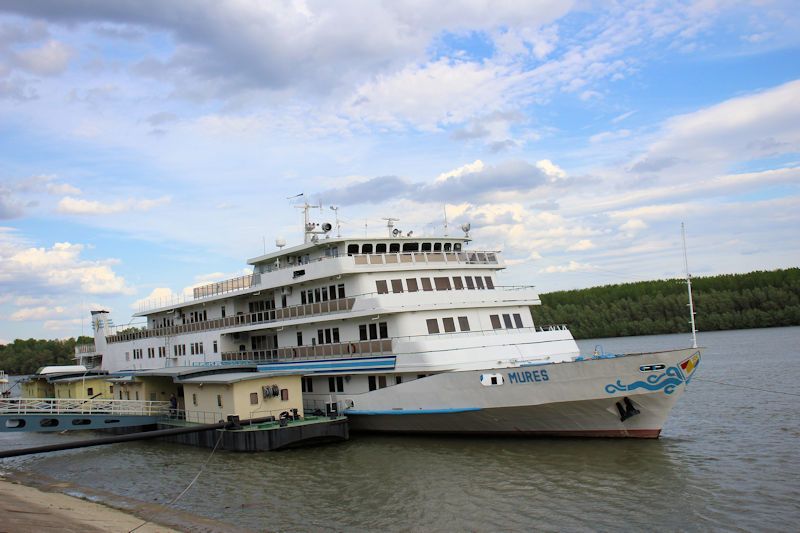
437, 247
352, 249
495, 320
470, 283
411, 247
489, 282
457, 247
449, 325
382, 286
426, 247
433, 325
507, 321
362, 332
394, 247
426, 284
411, 283
463, 323
383, 330
340, 288
458, 283
518, 320
397, 285
380, 248
366, 248
479, 282
447, 246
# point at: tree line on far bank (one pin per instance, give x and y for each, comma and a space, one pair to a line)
26, 356
730, 301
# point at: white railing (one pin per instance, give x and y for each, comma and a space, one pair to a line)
258, 317
212, 289
84, 348
466, 258
83, 406
482, 333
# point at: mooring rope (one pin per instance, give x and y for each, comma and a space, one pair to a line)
747, 387
184, 491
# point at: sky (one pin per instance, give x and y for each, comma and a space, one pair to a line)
148, 146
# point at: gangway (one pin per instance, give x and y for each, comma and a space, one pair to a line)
60, 414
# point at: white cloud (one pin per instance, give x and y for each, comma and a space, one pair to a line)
572, 266
68, 325
469, 168
62, 189
609, 136
37, 313
60, 266
763, 124
552, 170
79, 206
48, 59
581, 245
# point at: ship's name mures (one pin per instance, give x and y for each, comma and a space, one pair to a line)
528, 376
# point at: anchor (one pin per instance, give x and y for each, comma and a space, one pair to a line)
627, 411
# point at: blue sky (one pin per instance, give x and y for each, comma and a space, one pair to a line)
149, 146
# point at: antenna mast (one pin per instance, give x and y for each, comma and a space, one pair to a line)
689, 286
445, 219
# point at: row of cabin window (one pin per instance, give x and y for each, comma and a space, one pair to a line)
439, 284
323, 294
372, 331
151, 352
394, 247
260, 305
448, 324
507, 322
336, 383
197, 316
253, 398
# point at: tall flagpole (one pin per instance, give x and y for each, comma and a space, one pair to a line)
689, 286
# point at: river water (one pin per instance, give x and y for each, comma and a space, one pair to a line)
728, 458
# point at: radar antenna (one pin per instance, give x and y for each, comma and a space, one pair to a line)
390, 225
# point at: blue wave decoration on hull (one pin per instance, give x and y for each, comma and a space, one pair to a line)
666, 381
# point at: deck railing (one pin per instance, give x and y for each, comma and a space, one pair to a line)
466, 258
260, 317
78, 405
84, 348
320, 351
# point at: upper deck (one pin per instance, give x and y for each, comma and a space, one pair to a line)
295, 269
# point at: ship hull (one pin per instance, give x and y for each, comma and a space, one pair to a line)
620, 396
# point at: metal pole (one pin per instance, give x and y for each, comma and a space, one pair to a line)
689, 286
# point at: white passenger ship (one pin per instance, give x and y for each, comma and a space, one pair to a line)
404, 333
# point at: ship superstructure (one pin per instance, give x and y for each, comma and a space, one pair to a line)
380, 328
